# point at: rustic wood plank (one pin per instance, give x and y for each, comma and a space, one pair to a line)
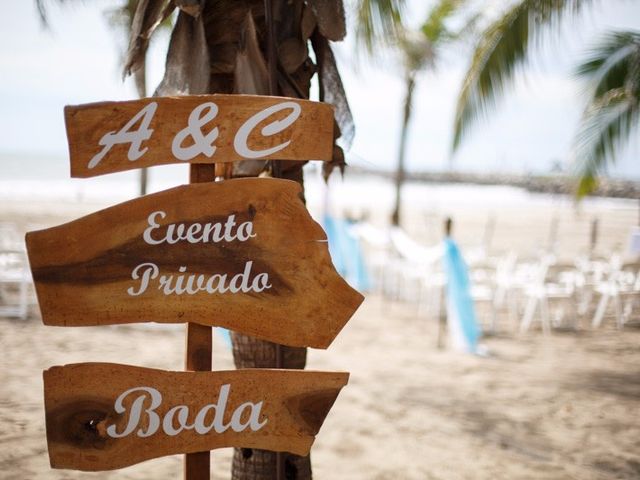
173, 127
83, 270
92, 423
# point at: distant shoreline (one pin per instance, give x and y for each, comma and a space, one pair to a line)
549, 183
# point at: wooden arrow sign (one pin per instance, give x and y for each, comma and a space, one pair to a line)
103, 416
114, 136
242, 254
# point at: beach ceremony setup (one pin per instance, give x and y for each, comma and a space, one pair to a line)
285, 240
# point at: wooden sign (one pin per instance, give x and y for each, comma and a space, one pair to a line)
110, 137
103, 416
242, 254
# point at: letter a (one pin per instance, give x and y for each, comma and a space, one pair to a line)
135, 138
254, 417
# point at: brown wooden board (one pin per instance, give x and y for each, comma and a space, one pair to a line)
92, 271
110, 137
104, 416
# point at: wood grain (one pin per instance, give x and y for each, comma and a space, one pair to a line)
199, 349
82, 269
310, 136
80, 399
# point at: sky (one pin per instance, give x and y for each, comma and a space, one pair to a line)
78, 61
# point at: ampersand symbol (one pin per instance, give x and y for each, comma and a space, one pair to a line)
198, 118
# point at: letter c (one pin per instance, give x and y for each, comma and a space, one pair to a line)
277, 126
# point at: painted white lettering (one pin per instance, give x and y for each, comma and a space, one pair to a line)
212, 233
183, 282
176, 420
150, 272
192, 232
216, 283
180, 280
240, 282
135, 413
202, 144
260, 282
245, 231
215, 232
254, 417
135, 138
218, 408
240, 142
228, 228
165, 284
183, 415
151, 220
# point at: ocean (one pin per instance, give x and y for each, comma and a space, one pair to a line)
41, 177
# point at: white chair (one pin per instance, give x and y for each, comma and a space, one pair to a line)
15, 277
417, 267
621, 288
546, 284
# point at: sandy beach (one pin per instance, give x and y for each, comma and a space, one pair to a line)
537, 407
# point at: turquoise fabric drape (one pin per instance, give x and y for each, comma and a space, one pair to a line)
459, 299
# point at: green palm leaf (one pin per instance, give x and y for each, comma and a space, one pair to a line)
613, 109
501, 49
378, 22
607, 66
435, 26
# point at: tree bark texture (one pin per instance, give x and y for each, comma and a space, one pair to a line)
234, 61
220, 46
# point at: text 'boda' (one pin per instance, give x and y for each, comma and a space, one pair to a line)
145, 421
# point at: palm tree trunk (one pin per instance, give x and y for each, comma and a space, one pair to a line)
218, 46
249, 352
400, 169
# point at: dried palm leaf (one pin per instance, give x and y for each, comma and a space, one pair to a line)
149, 15
308, 23
250, 74
292, 53
192, 7
332, 89
223, 58
337, 161
187, 65
250, 77
330, 17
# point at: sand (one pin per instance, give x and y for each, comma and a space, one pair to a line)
538, 407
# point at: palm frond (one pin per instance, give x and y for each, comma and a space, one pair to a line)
416, 50
421, 48
501, 49
378, 23
41, 7
613, 108
608, 65
435, 26
605, 127
42, 12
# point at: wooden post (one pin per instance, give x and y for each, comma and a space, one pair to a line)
593, 237
199, 347
442, 309
276, 172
